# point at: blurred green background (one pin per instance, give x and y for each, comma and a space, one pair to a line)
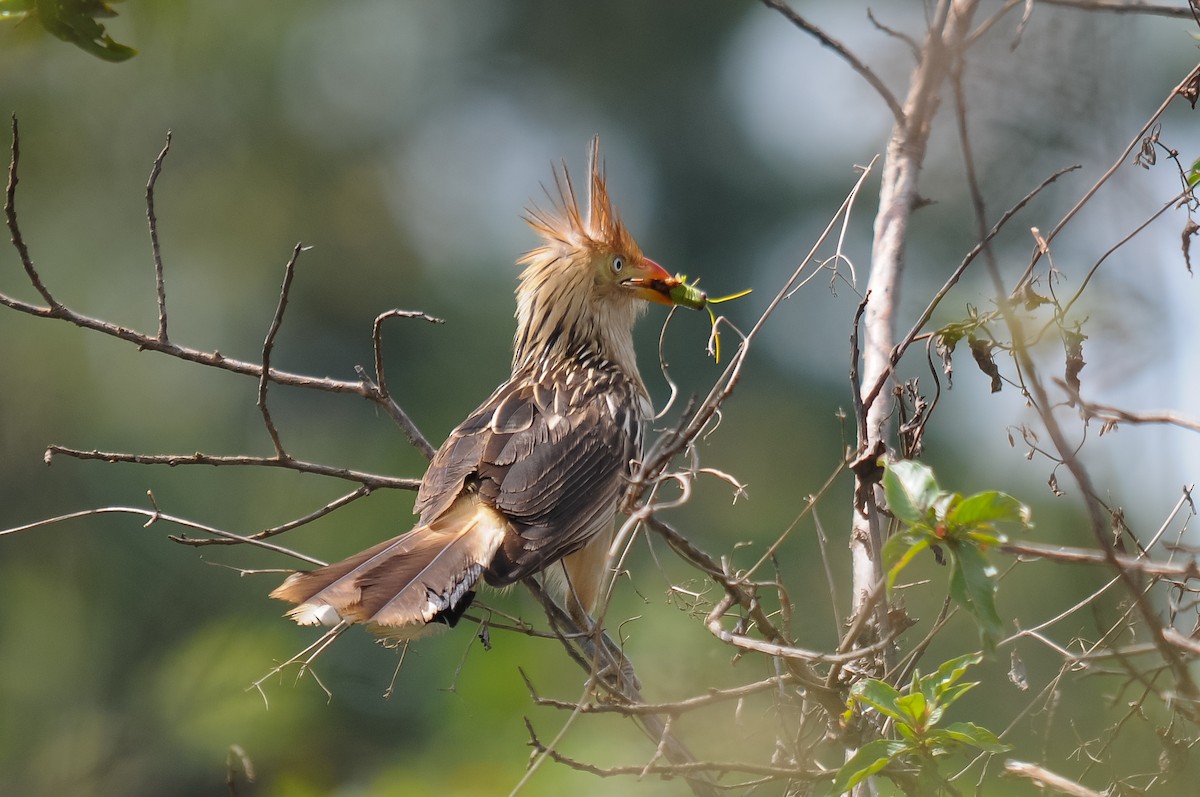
401, 140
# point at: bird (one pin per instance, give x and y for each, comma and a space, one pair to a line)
532, 480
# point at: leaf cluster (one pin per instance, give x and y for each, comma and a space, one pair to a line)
964, 526
912, 760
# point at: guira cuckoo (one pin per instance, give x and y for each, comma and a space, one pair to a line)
531, 480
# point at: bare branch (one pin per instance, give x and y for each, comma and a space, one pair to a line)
370, 480
1129, 564
1119, 7
332, 506
10, 214
914, 333
152, 218
1110, 417
1191, 78
684, 769
1047, 780
384, 395
154, 516
710, 698
846, 55
289, 273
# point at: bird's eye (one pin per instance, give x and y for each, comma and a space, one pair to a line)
617, 265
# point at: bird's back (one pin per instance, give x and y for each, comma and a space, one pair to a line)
552, 450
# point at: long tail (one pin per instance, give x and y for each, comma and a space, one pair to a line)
400, 585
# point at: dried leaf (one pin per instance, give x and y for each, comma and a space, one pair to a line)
1191, 90
981, 350
1189, 230
1073, 341
1053, 483
1016, 672
944, 346
1028, 297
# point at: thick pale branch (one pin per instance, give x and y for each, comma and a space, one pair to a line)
1047, 780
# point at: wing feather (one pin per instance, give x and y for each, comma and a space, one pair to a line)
551, 452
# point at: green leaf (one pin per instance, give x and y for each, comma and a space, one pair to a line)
869, 759
74, 21
910, 488
982, 537
972, 735
949, 696
894, 548
988, 507
880, 696
973, 586
910, 736
948, 672
916, 710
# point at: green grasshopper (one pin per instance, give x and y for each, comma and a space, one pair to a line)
687, 295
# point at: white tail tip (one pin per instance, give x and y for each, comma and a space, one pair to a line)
315, 614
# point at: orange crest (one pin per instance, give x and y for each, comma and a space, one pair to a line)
603, 228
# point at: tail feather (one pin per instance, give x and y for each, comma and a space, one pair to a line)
420, 577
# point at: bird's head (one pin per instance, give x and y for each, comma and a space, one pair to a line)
587, 282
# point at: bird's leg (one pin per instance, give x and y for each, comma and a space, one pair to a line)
585, 574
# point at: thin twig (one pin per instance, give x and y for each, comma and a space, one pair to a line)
154, 516
1191, 77
160, 286
915, 332
384, 394
332, 506
1121, 7
846, 55
10, 215
1088, 556
675, 708
372, 480
610, 669
691, 768
1111, 416
289, 273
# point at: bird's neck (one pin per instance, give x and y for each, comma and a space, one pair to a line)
603, 340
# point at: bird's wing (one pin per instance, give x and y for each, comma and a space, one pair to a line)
553, 457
